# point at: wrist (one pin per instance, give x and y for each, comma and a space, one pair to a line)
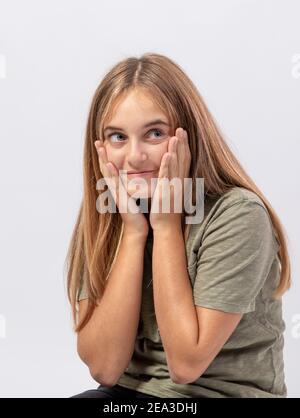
136, 235
167, 229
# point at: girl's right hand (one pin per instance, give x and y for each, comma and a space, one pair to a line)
133, 222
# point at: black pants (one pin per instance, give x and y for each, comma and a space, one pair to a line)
112, 392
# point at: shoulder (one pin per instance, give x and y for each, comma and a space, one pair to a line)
234, 254
239, 205
237, 196
238, 212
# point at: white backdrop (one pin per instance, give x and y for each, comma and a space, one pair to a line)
244, 57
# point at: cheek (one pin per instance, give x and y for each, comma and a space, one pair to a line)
115, 157
160, 152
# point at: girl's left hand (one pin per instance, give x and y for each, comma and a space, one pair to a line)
175, 163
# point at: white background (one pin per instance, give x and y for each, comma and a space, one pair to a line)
244, 57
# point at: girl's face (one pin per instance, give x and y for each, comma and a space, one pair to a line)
135, 140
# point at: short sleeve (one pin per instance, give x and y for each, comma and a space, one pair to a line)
234, 258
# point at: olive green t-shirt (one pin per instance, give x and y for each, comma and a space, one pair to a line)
233, 266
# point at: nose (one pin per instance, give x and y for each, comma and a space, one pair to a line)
136, 153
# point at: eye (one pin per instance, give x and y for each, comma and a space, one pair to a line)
156, 130
114, 133
119, 133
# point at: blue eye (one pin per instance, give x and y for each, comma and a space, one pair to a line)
119, 133
114, 133
156, 130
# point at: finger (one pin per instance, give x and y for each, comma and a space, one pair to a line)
164, 166
101, 151
98, 143
111, 169
181, 154
172, 150
181, 140
178, 170
186, 144
175, 146
106, 167
118, 184
112, 181
102, 157
184, 154
111, 173
175, 152
172, 144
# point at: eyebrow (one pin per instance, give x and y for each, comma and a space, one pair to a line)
153, 122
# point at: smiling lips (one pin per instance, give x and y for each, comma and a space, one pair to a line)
140, 174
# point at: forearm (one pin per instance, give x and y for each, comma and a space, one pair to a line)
173, 298
113, 326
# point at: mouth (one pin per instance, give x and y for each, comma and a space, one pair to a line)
140, 174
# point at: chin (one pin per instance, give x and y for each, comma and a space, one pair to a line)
140, 194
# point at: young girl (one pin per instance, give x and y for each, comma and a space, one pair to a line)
169, 308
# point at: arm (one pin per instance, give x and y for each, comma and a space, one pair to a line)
191, 335
107, 341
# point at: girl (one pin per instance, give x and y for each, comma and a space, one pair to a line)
162, 307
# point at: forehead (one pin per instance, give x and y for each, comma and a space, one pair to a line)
136, 106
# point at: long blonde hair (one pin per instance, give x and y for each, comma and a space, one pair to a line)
96, 237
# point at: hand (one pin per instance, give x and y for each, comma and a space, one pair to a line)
135, 223
175, 163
